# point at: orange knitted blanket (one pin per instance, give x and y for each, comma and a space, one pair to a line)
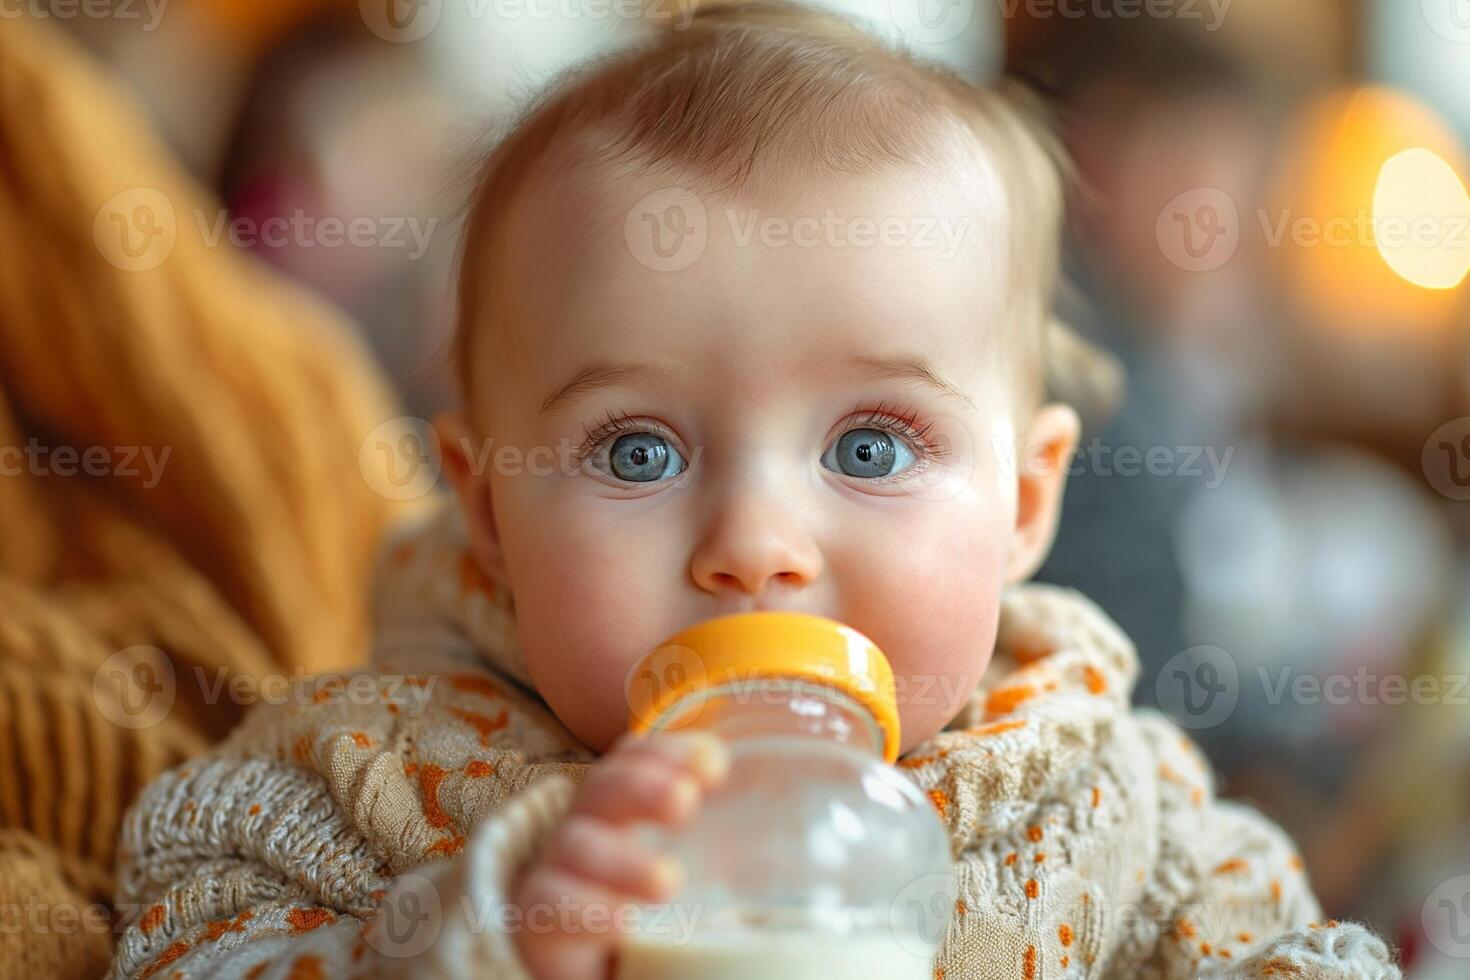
178, 473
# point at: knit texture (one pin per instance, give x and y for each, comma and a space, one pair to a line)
1086, 837
229, 530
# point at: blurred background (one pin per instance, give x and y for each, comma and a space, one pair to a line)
1270, 229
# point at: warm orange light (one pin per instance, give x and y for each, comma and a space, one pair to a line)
1365, 171
1421, 219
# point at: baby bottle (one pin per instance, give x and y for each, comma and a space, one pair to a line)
814, 857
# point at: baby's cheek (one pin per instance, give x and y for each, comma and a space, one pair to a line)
932, 606
954, 639
585, 605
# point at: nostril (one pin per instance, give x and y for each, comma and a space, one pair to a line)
735, 582
725, 578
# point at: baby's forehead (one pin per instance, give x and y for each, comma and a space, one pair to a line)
613, 267
579, 227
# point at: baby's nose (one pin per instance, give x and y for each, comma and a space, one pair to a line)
750, 547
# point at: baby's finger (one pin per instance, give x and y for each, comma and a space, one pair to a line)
622, 789
703, 755
600, 853
568, 926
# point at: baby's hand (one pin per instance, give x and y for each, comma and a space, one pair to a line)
592, 864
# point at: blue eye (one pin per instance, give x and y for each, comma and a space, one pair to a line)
643, 457
868, 454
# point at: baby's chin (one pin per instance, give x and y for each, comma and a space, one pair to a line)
929, 702
596, 727
916, 731
600, 738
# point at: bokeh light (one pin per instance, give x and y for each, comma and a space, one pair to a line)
1361, 165
1421, 217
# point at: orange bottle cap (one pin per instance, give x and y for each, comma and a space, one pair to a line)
748, 646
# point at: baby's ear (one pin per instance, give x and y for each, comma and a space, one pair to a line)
457, 455
1043, 454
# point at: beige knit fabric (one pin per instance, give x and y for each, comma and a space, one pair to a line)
368, 825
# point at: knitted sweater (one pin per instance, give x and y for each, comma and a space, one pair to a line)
369, 826
178, 471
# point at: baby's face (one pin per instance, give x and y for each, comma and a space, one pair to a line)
823, 422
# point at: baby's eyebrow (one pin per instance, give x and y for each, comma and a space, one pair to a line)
595, 377
909, 368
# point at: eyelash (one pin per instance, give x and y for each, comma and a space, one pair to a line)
905, 424
612, 426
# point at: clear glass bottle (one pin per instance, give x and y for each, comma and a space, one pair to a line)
814, 857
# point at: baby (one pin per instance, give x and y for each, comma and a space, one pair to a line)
754, 316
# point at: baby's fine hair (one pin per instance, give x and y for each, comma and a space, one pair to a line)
746, 92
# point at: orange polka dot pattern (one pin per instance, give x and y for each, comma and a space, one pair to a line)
1086, 837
